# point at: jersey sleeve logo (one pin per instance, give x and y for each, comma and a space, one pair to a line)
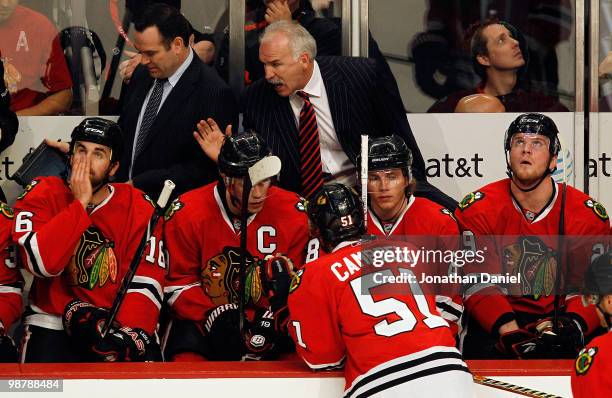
27, 189
585, 360
175, 206
598, 209
6, 211
93, 262
448, 213
469, 199
296, 280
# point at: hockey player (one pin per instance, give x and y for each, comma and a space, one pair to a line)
77, 237
591, 376
516, 222
393, 210
11, 285
386, 334
203, 232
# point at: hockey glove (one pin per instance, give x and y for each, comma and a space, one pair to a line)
276, 274
222, 328
8, 352
127, 345
564, 344
84, 322
260, 337
520, 344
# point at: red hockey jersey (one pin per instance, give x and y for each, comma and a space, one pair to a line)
11, 283
528, 249
380, 329
592, 369
436, 227
73, 254
204, 246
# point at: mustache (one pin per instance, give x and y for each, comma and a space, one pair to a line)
276, 82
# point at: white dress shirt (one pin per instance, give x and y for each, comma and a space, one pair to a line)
333, 158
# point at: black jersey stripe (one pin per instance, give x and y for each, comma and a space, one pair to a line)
403, 366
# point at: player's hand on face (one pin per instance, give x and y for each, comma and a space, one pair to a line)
80, 183
278, 10
63, 147
210, 137
127, 67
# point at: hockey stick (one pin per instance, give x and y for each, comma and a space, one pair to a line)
364, 178
556, 303
502, 385
263, 169
129, 276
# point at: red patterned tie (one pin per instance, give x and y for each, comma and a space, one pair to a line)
310, 149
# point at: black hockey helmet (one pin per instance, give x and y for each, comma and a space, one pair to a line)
101, 131
337, 212
241, 151
388, 152
534, 123
598, 278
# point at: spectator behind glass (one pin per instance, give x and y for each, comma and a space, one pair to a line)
443, 65
36, 72
499, 57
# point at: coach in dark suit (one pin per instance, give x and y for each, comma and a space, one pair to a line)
169, 93
348, 98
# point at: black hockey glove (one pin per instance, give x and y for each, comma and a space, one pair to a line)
260, 338
127, 345
84, 322
222, 329
519, 343
566, 343
276, 274
8, 352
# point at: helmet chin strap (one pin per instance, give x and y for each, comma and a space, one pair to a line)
510, 175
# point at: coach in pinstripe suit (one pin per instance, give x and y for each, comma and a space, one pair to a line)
348, 98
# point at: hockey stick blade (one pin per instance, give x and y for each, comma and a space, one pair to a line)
502, 385
265, 168
162, 201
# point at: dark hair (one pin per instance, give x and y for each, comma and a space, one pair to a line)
476, 42
170, 22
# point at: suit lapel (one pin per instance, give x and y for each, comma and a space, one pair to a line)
288, 141
338, 97
177, 97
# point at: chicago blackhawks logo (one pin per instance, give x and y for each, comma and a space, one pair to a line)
93, 262
469, 199
597, 208
27, 189
585, 360
536, 264
6, 211
221, 278
175, 206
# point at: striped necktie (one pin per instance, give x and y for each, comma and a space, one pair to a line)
149, 115
310, 149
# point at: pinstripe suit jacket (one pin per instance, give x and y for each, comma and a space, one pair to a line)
359, 104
